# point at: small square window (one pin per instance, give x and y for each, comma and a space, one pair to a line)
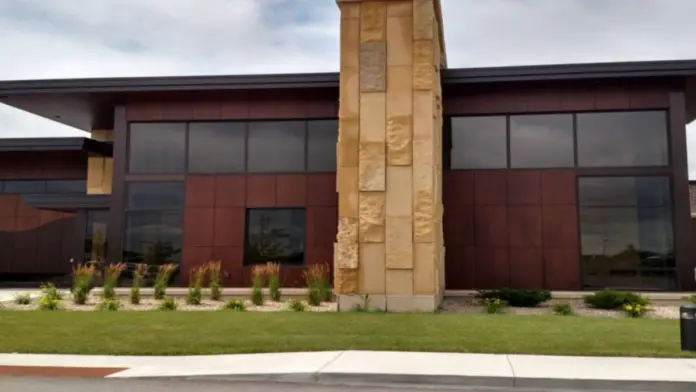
274, 234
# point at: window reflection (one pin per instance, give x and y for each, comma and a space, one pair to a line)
95, 237
626, 233
479, 142
217, 147
276, 146
538, 141
617, 139
157, 148
275, 235
322, 136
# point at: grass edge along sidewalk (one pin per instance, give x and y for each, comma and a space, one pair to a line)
201, 333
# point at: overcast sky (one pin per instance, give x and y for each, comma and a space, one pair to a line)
100, 38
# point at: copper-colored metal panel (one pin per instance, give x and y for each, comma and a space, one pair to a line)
292, 277
490, 187
524, 187
235, 108
613, 98
490, 226
229, 227
193, 257
460, 268
178, 110
458, 188
321, 227
524, 226
578, 99
261, 191
558, 187
200, 191
526, 268
649, 98
560, 226
25, 211
198, 226
26, 246
8, 205
562, 268
231, 260
207, 110
492, 268
321, 190
145, 111
458, 226
544, 100
230, 191
291, 190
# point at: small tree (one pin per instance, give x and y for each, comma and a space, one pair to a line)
82, 283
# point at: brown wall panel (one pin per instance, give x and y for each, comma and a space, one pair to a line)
501, 240
63, 165
553, 97
214, 227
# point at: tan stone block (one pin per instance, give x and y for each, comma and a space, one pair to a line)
349, 10
424, 76
399, 242
399, 91
400, 40
400, 8
399, 282
346, 255
423, 217
347, 229
399, 191
346, 281
373, 20
424, 270
423, 19
350, 42
103, 135
373, 117
399, 140
372, 271
423, 165
372, 166
95, 175
372, 216
424, 51
348, 194
373, 66
108, 177
348, 142
349, 96
423, 114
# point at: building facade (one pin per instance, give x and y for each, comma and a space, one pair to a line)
405, 177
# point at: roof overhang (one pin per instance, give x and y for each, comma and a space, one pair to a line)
66, 202
87, 145
88, 104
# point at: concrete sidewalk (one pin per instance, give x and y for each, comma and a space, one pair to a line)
439, 369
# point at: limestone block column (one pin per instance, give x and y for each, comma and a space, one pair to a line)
100, 169
389, 248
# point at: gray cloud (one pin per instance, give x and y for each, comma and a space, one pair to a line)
97, 38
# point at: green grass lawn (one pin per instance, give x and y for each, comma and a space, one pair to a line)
178, 333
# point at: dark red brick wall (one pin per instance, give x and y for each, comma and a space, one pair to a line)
214, 219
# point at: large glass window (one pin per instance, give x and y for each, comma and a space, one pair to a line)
40, 186
617, 139
217, 147
541, 141
322, 136
626, 233
276, 146
479, 142
23, 187
275, 235
66, 186
157, 148
154, 223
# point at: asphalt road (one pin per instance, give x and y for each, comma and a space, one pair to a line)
28, 384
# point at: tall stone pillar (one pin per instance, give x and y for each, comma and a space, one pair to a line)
389, 251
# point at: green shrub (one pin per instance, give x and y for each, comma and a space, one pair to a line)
493, 306
563, 309
614, 300
167, 304
22, 299
48, 302
195, 290
138, 276
235, 305
517, 298
297, 306
50, 290
257, 272
317, 281
82, 283
214, 268
109, 305
162, 280
111, 274
692, 298
273, 274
